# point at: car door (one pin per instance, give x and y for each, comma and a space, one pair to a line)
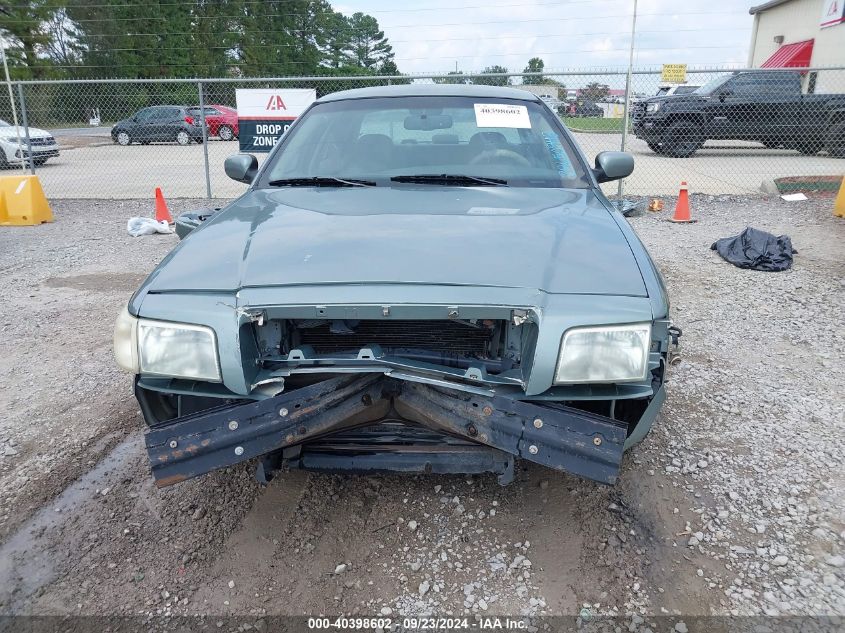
781, 96
151, 128
730, 108
138, 124
167, 123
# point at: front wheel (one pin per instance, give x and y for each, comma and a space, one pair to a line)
39, 161
836, 140
123, 138
655, 147
226, 133
182, 137
809, 149
682, 139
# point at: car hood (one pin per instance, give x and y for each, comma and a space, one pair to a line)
553, 240
11, 131
687, 98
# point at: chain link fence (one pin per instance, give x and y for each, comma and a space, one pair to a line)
777, 124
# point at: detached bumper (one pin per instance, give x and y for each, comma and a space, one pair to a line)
332, 417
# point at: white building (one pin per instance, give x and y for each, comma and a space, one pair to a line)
801, 34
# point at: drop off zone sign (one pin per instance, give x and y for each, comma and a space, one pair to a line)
265, 114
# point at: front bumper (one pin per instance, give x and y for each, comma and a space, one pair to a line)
649, 130
38, 151
316, 427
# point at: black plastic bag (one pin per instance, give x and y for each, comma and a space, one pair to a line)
757, 250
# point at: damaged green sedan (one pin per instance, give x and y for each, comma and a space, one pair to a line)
419, 279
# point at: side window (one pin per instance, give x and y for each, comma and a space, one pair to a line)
746, 85
782, 84
142, 116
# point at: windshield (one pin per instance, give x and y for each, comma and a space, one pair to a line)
512, 142
685, 90
712, 85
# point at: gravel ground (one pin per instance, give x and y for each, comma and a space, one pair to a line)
734, 504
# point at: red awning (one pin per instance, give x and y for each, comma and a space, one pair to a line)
795, 55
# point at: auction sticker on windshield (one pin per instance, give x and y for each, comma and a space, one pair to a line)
501, 115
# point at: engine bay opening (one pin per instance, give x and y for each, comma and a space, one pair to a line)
492, 344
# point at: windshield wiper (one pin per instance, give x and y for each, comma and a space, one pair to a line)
321, 181
449, 179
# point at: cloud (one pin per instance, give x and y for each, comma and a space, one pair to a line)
573, 34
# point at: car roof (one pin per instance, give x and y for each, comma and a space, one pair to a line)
431, 90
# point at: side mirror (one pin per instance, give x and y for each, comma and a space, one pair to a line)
724, 94
613, 166
241, 167
189, 220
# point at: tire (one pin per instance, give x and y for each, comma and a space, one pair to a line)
655, 147
123, 138
809, 149
182, 137
772, 144
682, 139
836, 140
225, 133
39, 161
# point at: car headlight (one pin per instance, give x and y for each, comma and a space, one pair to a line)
126, 341
177, 350
613, 353
652, 107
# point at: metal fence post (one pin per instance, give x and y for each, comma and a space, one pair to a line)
627, 106
25, 122
204, 142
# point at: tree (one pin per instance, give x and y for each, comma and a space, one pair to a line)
455, 77
492, 81
202, 38
389, 67
27, 37
334, 40
594, 91
535, 65
367, 44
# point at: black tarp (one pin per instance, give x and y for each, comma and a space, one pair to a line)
757, 250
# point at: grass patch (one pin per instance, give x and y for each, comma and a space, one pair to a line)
808, 183
592, 124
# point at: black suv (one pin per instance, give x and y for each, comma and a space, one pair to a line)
158, 124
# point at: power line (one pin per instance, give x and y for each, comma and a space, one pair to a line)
307, 14
444, 39
387, 26
342, 77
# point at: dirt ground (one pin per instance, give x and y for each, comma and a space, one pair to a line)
734, 504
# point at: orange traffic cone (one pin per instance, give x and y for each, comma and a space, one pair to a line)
162, 213
682, 206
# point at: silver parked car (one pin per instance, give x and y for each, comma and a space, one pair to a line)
418, 278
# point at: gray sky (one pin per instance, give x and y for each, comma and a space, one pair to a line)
565, 33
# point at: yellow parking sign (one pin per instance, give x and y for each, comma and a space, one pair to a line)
674, 73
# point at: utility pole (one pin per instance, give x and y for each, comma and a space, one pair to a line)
12, 103
628, 93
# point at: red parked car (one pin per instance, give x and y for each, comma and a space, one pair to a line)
222, 120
